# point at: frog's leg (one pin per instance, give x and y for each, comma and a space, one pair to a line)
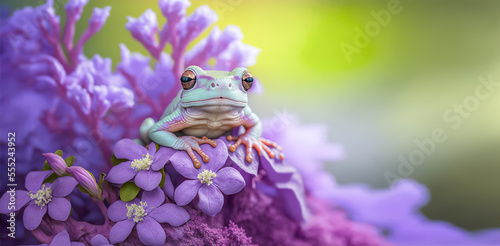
251, 138
162, 134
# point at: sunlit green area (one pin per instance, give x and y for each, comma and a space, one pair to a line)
377, 100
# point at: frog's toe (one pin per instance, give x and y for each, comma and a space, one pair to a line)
205, 140
190, 152
270, 143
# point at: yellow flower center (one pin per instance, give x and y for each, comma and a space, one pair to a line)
142, 164
42, 196
137, 211
206, 177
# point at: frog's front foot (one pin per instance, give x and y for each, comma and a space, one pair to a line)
190, 143
258, 144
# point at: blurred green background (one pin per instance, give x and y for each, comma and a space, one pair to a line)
393, 91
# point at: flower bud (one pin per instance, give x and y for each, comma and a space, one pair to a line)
85, 179
98, 18
57, 163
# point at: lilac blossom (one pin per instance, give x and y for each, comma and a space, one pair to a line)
142, 164
86, 180
209, 181
41, 198
146, 213
56, 163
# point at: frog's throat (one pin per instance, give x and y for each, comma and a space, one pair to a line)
215, 102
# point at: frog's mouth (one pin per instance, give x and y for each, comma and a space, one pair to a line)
220, 101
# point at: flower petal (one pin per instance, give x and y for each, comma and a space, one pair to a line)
229, 181
152, 148
148, 179
35, 179
168, 187
153, 198
276, 170
217, 155
120, 231
128, 149
170, 213
121, 173
33, 215
150, 232
59, 208
238, 158
161, 157
63, 186
183, 164
99, 240
211, 199
186, 192
217, 158
21, 197
62, 239
293, 194
118, 210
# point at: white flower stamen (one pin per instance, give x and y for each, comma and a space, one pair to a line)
137, 211
206, 177
142, 164
42, 197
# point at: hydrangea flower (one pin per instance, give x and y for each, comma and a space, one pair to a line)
146, 213
41, 198
209, 181
143, 164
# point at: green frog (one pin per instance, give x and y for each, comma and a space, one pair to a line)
210, 104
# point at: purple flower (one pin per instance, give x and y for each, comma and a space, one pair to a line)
100, 240
174, 10
191, 27
62, 239
40, 198
143, 164
146, 213
209, 181
144, 28
57, 163
98, 18
86, 180
74, 8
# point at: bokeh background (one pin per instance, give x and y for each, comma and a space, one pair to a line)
376, 102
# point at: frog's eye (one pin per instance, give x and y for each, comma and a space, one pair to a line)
247, 81
188, 79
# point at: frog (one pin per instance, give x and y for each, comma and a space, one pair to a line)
210, 104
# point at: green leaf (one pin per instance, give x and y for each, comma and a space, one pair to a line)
128, 191
162, 182
46, 166
101, 180
157, 146
115, 161
59, 153
51, 178
69, 161
83, 190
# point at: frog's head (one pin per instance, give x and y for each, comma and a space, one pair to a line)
215, 88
